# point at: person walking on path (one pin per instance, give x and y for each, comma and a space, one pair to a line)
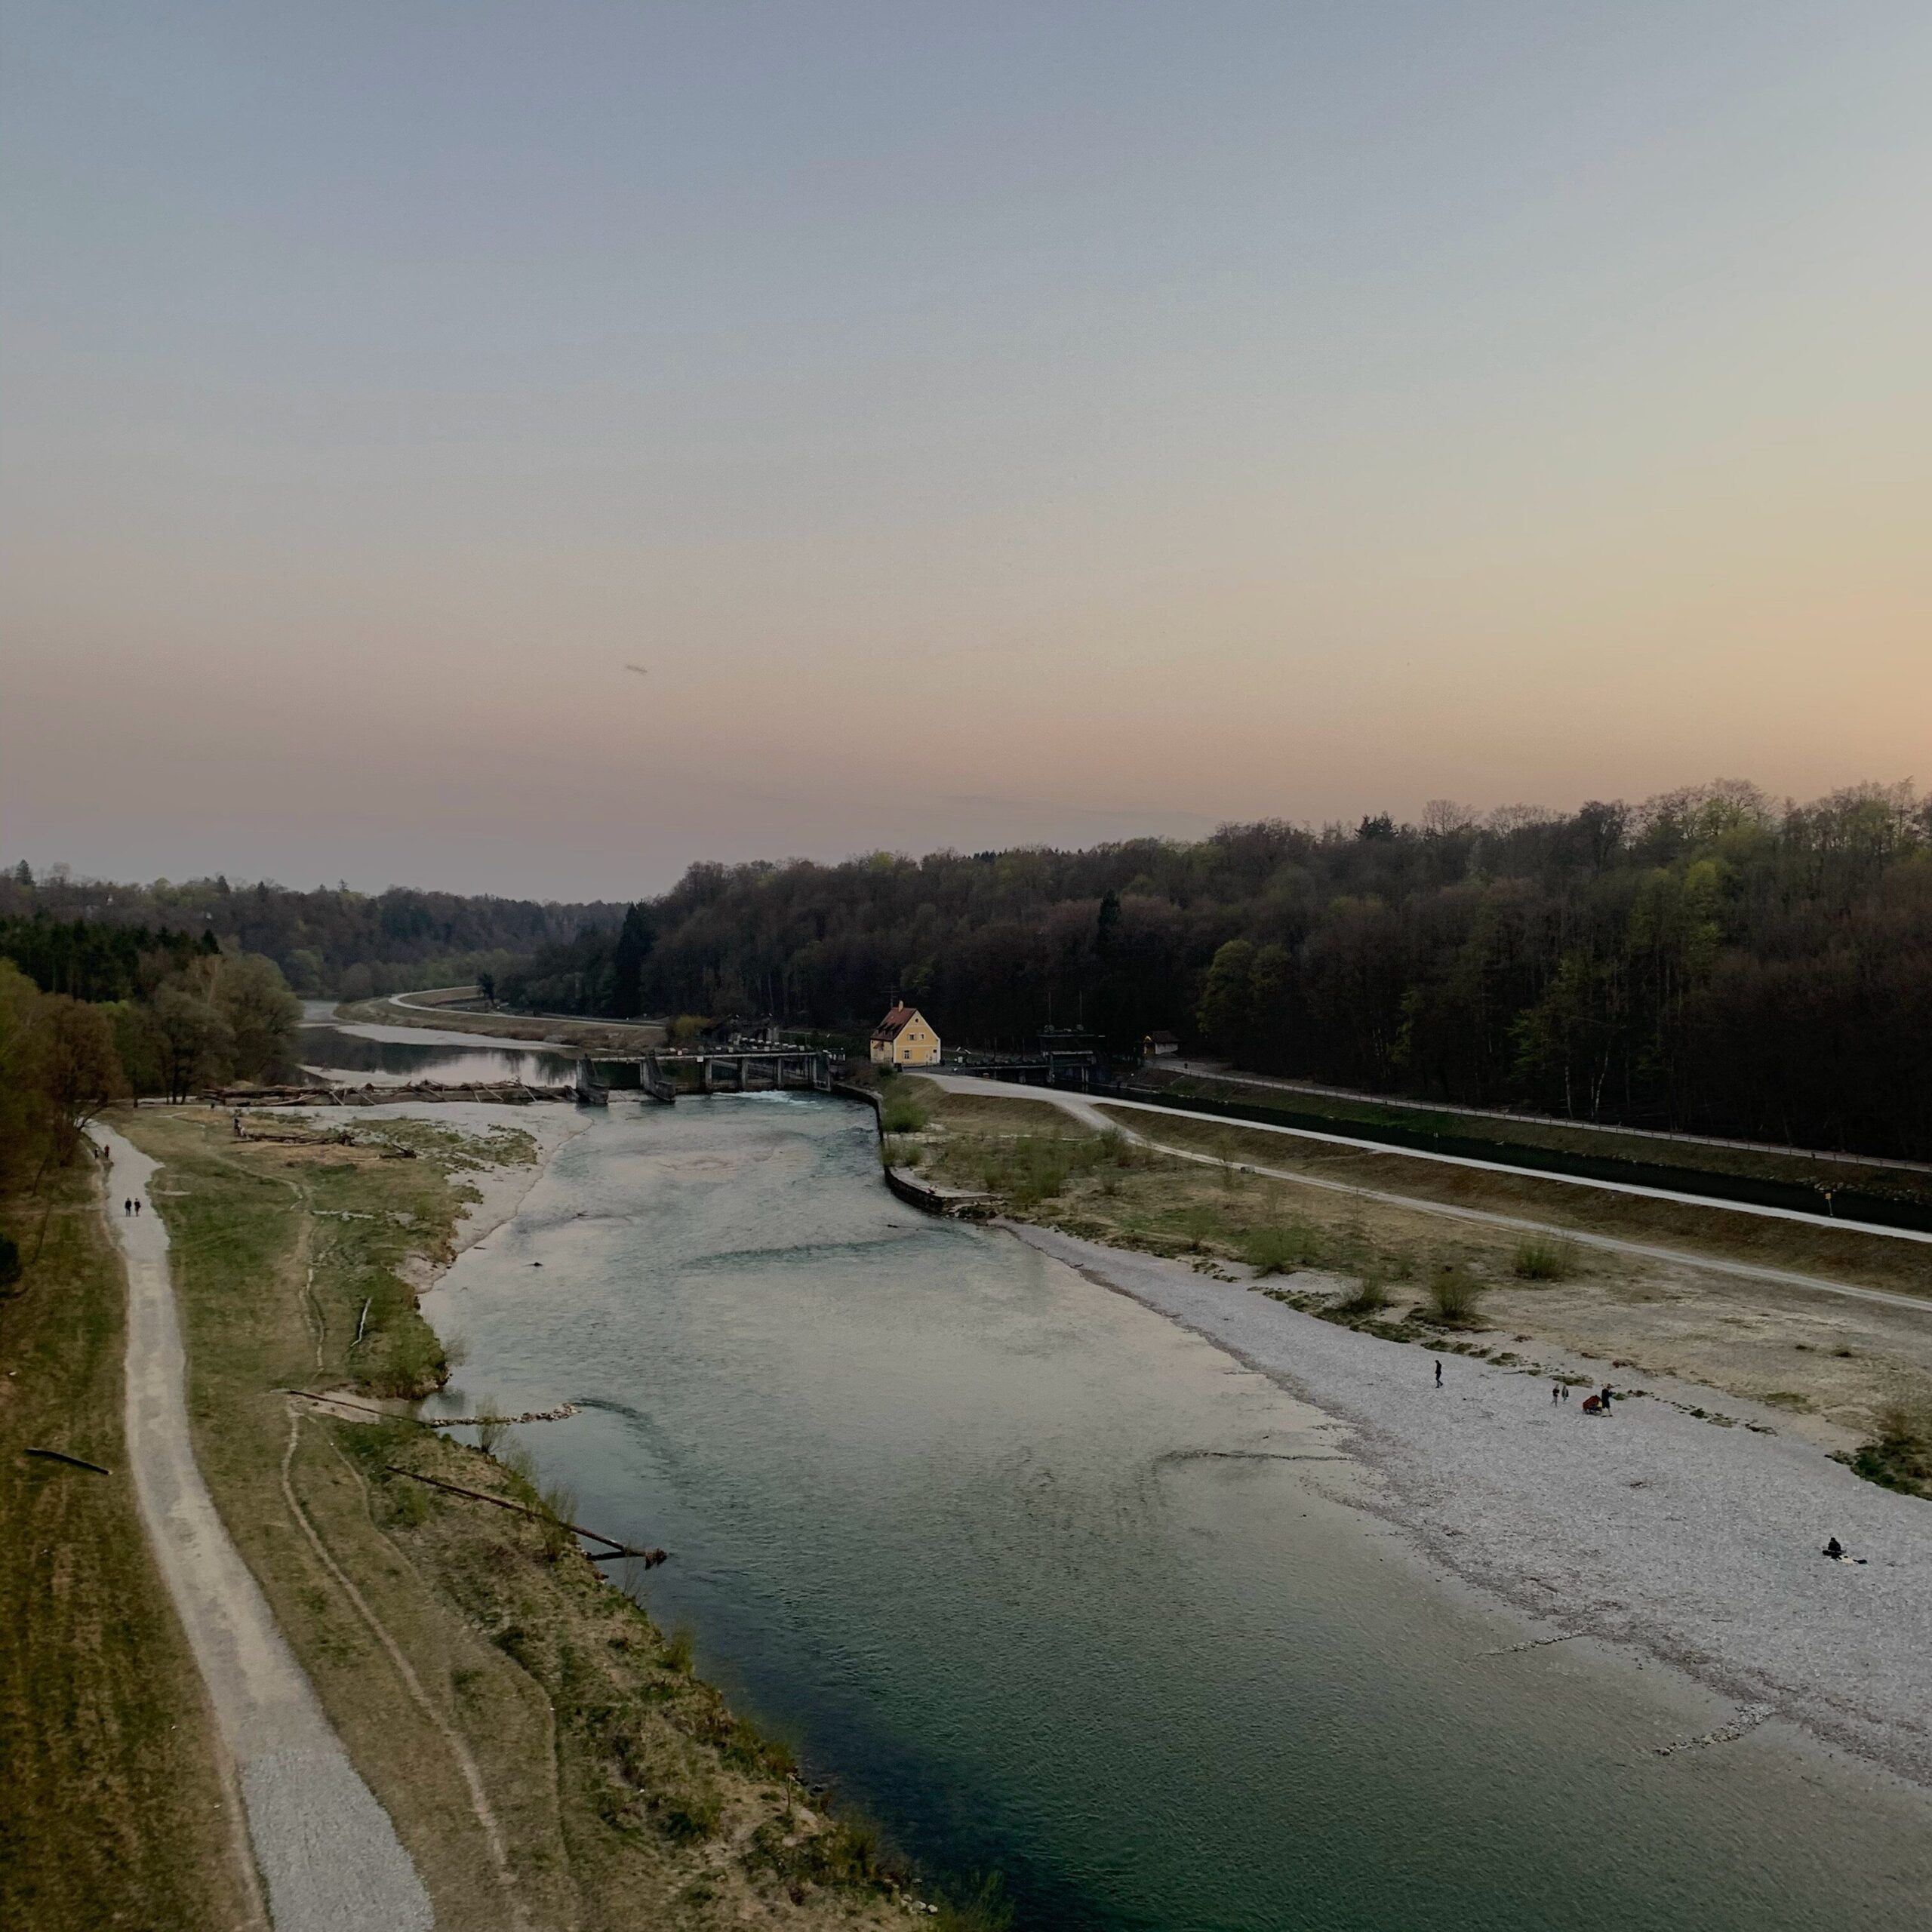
1439, 1375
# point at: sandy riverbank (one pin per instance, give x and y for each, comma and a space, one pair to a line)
1696, 1544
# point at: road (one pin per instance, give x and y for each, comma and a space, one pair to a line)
1088, 1112
325, 1847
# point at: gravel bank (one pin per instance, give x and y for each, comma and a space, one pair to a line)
1698, 1543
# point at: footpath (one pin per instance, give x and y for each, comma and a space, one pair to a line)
326, 1849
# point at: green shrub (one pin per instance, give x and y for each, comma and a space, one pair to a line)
1370, 1296
1453, 1296
689, 1816
1197, 1223
1900, 1457
1544, 1258
900, 1112
409, 1505
558, 1506
1279, 1250
1043, 1166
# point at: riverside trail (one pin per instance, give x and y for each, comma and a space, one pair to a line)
325, 1848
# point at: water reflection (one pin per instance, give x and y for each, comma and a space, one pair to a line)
385, 1055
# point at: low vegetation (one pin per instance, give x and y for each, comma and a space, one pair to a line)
1900, 1453
901, 1110
1838, 1253
1544, 1258
1453, 1296
1370, 1297
1280, 1250
1374, 1266
113, 1814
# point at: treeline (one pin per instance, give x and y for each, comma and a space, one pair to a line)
90, 1015
330, 941
1708, 961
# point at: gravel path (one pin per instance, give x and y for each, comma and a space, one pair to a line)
1700, 1543
329, 1854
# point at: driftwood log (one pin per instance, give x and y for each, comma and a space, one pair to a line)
613, 1548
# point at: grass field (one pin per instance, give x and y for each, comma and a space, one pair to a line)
1874, 1261
620, 1790
113, 1814
1296, 1107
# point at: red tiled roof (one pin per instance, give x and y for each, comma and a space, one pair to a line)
895, 1022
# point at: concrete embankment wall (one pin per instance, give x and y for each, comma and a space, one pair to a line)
902, 1181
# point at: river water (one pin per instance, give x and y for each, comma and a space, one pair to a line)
386, 1055
1035, 1577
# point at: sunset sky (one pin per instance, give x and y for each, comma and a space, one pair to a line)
985, 423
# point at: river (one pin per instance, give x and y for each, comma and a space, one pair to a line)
1034, 1576
384, 1056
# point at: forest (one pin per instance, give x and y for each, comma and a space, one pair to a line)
1711, 960
327, 941
92, 1015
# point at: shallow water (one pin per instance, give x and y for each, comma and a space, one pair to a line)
1019, 1564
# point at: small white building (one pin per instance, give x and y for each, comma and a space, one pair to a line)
1160, 1046
903, 1038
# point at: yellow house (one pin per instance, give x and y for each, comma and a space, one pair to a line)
903, 1038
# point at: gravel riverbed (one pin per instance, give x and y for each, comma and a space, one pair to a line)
1699, 1543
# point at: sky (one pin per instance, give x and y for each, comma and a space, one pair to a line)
982, 423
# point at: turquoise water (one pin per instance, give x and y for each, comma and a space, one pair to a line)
1024, 1570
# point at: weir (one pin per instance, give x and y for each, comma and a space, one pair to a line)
740, 1070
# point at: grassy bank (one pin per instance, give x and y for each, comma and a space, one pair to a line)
1293, 1107
1877, 1261
1830, 1368
114, 1814
539, 1744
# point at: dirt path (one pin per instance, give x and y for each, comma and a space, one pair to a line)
1088, 1113
326, 1849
